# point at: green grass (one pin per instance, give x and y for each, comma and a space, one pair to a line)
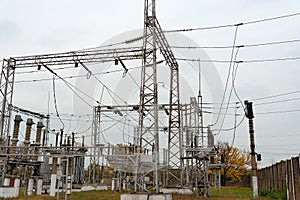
225, 193
274, 194
241, 192
96, 195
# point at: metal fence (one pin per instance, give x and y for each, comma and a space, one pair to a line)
282, 176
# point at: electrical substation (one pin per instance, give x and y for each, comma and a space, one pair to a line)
141, 165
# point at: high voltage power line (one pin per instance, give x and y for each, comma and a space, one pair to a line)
241, 61
278, 112
278, 101
227, 81
276, 95
239, 46
233, 25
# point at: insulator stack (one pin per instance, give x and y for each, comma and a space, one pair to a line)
15, 137
29, 124
39, 127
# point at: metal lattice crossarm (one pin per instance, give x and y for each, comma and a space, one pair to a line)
84, 56
73, 57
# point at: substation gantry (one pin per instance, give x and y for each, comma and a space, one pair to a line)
147, 130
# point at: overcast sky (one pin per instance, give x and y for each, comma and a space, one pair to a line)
35, 27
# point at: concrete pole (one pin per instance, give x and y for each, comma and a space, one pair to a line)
39, 186
124, 185
30, 186
69, 176
113, 184
17, 186
250, 116
53, 177
6, 181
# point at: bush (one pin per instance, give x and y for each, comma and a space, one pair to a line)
274, 194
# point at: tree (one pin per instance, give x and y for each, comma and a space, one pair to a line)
234, 160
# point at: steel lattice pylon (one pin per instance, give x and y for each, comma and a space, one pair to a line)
148, 119
95, 142
6, 89
174, 130
148, 129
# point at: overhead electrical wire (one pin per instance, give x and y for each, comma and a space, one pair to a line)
83, 131
233, 25
234, 74
73, 120
240, 61
238, 46
43, 70
227, 80
251, 22
276, 95
118, 104
74, 76
182, 59
269, 60
103, 134
74, 115
232, 128
69, 125
55, 103
227, 114
70, 86
278, 101
118, 120
128, 41
83, 125
277, 112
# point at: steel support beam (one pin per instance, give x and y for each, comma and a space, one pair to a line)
148, 112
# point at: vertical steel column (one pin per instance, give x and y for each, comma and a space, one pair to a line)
95, 142
148, 113
174, 130
6, 94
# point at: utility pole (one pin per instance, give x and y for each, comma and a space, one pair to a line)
250, 116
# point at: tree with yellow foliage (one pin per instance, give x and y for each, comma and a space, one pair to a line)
234, 162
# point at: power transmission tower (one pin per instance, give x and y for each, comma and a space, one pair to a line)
148, 119
148, 115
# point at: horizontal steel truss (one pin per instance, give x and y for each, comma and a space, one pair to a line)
83, 56
73, 57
